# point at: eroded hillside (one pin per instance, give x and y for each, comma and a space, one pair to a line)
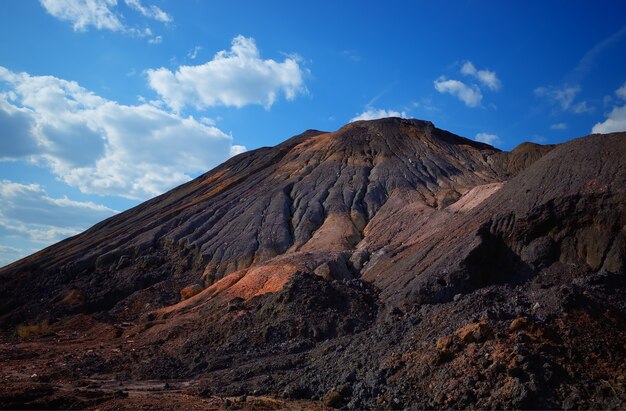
387, 264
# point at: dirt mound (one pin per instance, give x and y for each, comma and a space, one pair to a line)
388, 264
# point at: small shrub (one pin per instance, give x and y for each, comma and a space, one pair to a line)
33, 330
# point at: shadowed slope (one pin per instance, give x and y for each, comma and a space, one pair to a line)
567, 208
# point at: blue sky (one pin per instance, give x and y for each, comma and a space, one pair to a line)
106, 103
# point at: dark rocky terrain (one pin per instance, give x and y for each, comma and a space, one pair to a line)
389, 264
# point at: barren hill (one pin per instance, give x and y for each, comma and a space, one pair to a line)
388, 264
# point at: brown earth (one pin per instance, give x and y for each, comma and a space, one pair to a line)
389, 264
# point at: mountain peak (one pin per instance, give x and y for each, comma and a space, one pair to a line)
394, 121
385, 126
396, 127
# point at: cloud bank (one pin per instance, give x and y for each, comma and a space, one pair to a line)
27, 211
28, 205
99, 145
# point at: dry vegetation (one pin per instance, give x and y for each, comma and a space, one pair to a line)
33, 330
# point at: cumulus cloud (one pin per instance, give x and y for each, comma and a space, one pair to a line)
616, 119
487, 138
468, 94
84, 13
26, 209
558, 126
102, 14
488, 78
564, 98
99, 145
371, 113
233, 78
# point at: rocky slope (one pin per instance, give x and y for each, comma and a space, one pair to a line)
387, 264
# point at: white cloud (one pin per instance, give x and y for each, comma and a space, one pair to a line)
425, 104
487, 138
17, 132
616, 119
102, 14
234, 78
581, 107
155, 40
151, 11
101, 146
193, 53
208, 121
372, 114
26, 209
9, 254
468, 69
621, 92
488, 78
558, 126
470, 95
84, 13
564, 98
234, 150
8, 249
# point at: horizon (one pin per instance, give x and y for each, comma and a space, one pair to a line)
104, 108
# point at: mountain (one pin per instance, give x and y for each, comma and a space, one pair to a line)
389, 264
